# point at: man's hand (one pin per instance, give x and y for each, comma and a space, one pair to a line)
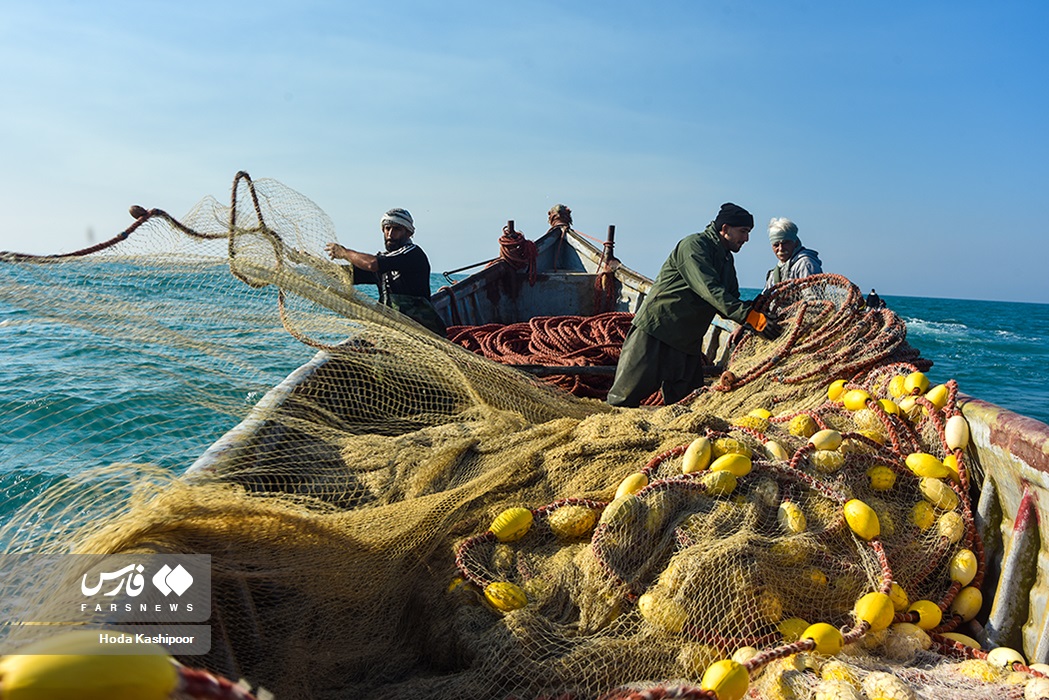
768, 328
335, 250
772, 330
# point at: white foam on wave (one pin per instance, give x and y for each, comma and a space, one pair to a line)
946, 330
936, 327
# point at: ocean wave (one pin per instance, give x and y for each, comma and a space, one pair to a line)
957, 330
952, 328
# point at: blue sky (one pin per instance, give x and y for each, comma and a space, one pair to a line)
907, 140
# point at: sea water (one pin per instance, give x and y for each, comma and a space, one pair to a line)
72, 399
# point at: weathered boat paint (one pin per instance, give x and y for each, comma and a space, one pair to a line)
1013, 496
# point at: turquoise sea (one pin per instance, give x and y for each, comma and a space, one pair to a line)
72, 398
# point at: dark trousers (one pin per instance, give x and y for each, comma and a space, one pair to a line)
647, 364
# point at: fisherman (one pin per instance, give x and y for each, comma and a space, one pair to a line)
795, 260
402, 272
663, 347
874, 301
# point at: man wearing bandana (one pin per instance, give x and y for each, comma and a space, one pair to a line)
401, 272
663, 348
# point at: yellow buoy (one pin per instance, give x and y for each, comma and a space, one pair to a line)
937, 396
962, 639
792, 628
505, 596
836, 389
967, 603
632, 484
802, 425
912, 633
950, 526
889, 406
828, 638
834, 670
899, 597
826, 439
885, 517
1004, 657
938, 493
885, 686
923, 515
1037, 687
766, 492
816, 576
752, 422
662, 612
875, 435
963, 566
760, 413
697, 456
862, 519
929, 614
719, 483
624, 512
725, 445
728, 679
571, 521
925, 465
910, 408
896, 389
777, 451
916, 383
70, 665
834, 690
875, 609
737, 464
745, 654
855, 399
956, 432
791, 518
512, 524
882, 477
827, 461
953, 472
866, 419
979, 669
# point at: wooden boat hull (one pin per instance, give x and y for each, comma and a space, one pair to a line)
567, 270
1012, 518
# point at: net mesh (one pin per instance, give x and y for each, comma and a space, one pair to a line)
409, 519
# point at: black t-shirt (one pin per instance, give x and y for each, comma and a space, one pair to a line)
403, 271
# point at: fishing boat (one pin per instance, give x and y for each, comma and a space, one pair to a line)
293, 445
571, 275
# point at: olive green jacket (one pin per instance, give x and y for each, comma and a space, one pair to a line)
697, 281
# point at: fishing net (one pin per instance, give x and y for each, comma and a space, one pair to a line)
406, 518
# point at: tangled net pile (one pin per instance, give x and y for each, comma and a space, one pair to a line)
417, 521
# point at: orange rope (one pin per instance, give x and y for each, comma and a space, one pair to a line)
518, 252
554, 341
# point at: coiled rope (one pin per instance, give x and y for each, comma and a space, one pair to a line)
583, 341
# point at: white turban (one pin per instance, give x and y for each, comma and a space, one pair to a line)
781, 229
400, 217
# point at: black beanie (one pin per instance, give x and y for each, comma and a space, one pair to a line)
733, 215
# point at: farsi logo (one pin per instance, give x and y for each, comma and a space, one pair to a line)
130, 575
169, 580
